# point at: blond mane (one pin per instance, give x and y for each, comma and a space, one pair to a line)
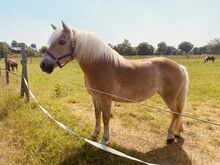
89, 48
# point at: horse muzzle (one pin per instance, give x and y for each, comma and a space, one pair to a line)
47, 65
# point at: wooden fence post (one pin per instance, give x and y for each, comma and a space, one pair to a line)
6, 68
24, 89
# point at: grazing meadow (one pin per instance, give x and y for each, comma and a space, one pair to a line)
28, 136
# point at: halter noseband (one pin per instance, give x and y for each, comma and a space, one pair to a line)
57, 59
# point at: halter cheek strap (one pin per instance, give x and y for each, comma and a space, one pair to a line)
57, 59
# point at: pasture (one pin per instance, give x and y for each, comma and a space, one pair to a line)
29, 137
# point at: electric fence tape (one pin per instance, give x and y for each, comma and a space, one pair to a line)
71, 132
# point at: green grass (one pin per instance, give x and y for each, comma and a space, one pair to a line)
136, 130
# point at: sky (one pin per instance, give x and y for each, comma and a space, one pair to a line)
152, 21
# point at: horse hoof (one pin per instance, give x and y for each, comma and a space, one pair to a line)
178, 137
104, 142
169, 141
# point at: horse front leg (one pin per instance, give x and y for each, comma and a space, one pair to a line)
105, 107
97, 119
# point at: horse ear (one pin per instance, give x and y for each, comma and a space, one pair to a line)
65, 27
53, 26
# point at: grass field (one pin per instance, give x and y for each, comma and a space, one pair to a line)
29, 137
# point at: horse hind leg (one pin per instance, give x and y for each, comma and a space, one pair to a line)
181, 104
176, 101
169, 98
171, 130
175, 127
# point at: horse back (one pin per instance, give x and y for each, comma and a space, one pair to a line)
139, 80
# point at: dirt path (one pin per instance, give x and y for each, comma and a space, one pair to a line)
145, 139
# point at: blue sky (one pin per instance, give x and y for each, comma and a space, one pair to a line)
152, 21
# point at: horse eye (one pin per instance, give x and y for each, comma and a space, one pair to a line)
62, 42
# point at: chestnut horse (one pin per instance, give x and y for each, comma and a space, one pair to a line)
12, 64
105, 70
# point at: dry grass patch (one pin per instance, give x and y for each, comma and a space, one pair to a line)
30, 138
142, 133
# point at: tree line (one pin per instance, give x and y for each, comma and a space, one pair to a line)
184, 48
125, 48
15, 47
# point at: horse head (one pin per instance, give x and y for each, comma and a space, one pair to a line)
61, 48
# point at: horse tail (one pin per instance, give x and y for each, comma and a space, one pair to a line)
182, 97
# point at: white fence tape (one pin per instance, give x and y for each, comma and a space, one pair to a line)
71, 132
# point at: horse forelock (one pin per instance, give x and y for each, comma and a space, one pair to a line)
56, 35
90, 49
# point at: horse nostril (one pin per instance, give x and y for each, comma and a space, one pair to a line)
47, 65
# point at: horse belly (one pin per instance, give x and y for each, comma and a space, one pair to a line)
137, 93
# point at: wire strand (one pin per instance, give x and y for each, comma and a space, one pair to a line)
133, 101
145, 104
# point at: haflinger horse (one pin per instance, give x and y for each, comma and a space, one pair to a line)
11, 64
105, 70
209, 58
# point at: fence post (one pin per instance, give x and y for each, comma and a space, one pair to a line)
0, 71
24, 89
6, 68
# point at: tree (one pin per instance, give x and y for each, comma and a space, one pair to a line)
124, 48
185, 47
170, 50
21, 43
214, 46
200, 50
33, 46
161, 48
14, 43
30, 52
126, 43
203, 49
145, 49
195, 51
120, 48
4, 49
43, 49
130, 51
176, 52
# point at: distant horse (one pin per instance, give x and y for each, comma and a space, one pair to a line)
209, 58
105, 70
12, 64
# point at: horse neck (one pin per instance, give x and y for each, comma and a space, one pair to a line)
98, 67
86, 67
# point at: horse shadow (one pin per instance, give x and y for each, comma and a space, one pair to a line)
169, 154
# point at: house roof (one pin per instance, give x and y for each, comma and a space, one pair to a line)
15, 48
